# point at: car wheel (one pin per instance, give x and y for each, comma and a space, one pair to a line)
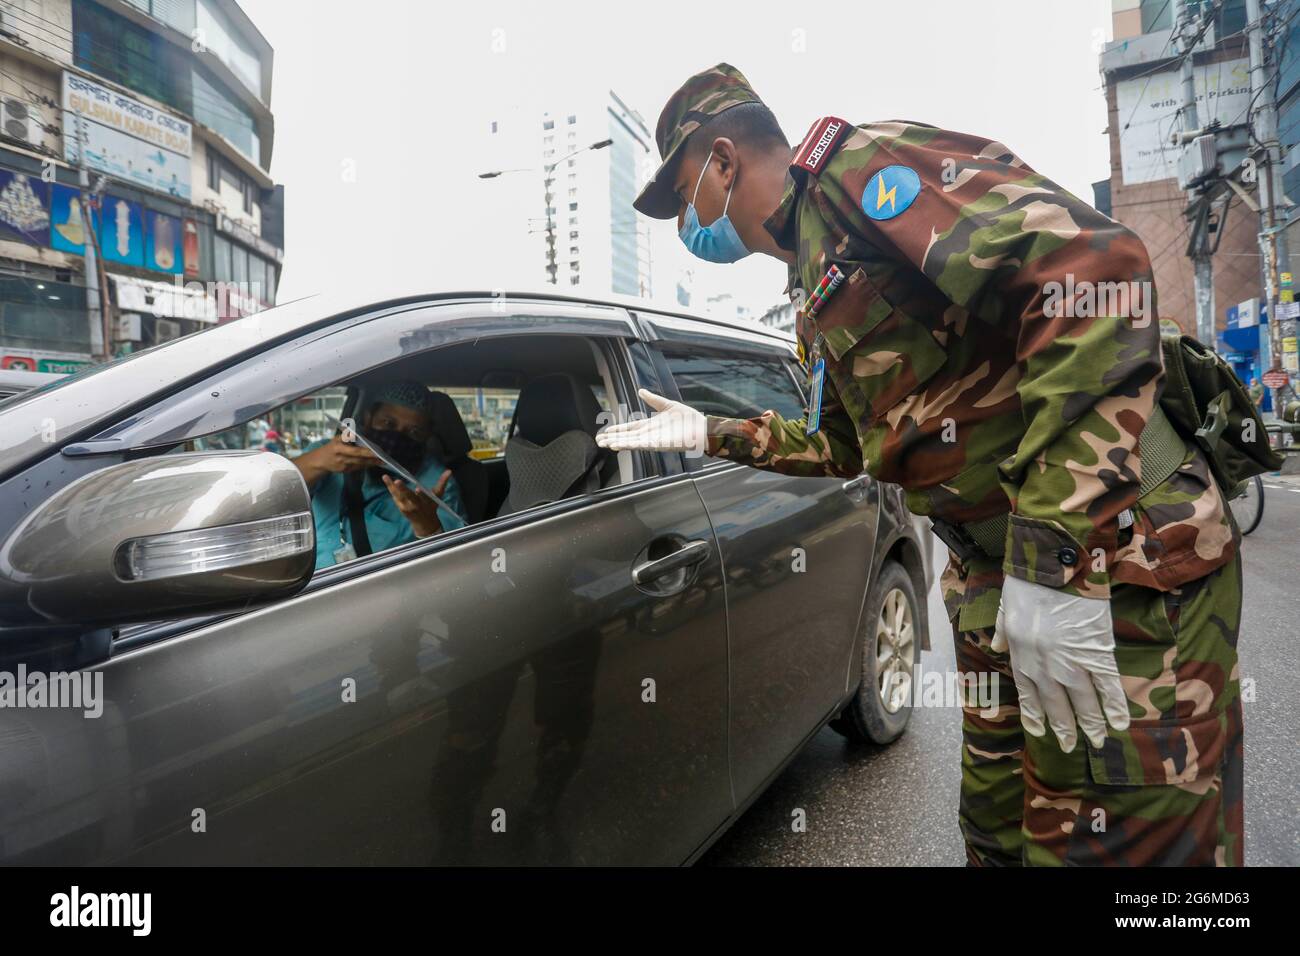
891, 650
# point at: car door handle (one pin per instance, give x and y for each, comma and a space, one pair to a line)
692, 552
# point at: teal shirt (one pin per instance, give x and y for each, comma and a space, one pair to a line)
385, 525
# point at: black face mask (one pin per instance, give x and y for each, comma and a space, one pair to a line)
399, 446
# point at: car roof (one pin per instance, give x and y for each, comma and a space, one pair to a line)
379, 294
643, 306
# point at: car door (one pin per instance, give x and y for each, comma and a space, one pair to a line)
797, 552
533, 689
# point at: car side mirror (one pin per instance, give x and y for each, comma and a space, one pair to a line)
197, 532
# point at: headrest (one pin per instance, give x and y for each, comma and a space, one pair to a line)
551, 405
450, 439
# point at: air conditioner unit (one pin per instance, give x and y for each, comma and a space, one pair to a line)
21, 120
164, 330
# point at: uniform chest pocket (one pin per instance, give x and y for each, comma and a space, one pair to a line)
877, 354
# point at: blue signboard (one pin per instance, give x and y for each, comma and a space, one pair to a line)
121, 232
67, 227
1240, 340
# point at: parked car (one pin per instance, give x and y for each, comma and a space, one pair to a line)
600, 671
13, 381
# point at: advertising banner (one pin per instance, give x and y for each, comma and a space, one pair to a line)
162, 244
1148, 108
190, 231
67, 226
24, 208
125, 138
121, 232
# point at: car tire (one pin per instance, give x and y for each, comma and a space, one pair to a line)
891, 650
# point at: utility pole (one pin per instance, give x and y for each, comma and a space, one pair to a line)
95, 316
1186, 29
1274, 255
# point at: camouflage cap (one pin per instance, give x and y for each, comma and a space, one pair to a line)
700, 98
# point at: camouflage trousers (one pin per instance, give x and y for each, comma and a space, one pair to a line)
1166, 791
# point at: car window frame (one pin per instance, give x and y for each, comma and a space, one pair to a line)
193, 411
649, 475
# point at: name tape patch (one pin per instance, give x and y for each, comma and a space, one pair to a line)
820, 143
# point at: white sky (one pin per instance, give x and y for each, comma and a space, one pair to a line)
395, 92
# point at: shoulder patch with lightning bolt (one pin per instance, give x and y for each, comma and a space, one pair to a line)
890, 192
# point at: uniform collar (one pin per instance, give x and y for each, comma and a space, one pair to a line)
807, 161
782, 221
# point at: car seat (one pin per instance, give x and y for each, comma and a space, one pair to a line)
451, 443
552, 453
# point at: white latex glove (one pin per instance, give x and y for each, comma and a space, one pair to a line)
1063, 658
673, 427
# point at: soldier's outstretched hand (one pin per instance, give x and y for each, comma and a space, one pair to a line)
673, 427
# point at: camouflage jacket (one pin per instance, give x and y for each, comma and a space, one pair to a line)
980, 355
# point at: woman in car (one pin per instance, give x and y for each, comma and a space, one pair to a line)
358, 506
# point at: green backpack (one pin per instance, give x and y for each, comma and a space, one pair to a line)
1208, 404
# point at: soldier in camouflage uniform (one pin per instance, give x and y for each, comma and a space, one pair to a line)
955, 368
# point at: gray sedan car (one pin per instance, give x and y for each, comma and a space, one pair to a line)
606, 664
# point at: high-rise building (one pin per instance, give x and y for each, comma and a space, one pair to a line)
165, 106
595, 241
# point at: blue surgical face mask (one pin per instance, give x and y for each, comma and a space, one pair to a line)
718, 241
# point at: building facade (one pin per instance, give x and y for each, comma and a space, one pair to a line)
541, 151
1288, 122
1140, 67
135, 135
779, 317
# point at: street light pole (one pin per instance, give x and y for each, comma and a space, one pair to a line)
547, 170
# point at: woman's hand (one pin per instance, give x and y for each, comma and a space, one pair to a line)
419, 509
334, 457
